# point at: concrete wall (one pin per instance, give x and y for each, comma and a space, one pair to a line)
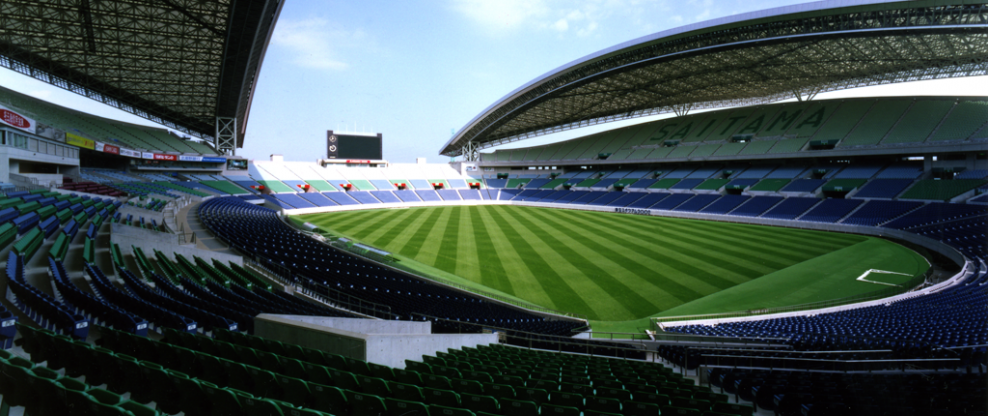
334, 341
397, 341
367, 326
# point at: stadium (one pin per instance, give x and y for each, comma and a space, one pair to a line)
757, 251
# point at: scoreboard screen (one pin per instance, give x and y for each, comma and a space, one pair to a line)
353, 146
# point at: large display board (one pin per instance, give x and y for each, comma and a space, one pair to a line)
353, 146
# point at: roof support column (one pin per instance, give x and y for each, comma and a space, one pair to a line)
470, 152
682, 109
226, 135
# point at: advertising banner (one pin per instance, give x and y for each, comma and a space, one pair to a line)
214, 159
79, 141
146, 155
13, 119
159, 156
184, 158
130, 153
111, 149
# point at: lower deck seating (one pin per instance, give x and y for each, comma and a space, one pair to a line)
831, 210
790, 208
257, 230
877, 212
883, 188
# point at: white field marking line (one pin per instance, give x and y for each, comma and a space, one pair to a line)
870, 271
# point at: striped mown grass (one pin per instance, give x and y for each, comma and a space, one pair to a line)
616, 267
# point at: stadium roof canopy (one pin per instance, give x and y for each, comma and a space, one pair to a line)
752, 58
180, 63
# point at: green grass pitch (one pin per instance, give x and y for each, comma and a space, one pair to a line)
622, 268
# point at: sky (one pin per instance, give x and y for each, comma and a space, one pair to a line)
419, 70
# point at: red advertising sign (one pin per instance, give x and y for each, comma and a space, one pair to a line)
159, 156
109, 148
14, 119
358, 161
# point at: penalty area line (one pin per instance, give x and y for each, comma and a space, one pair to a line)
863, 277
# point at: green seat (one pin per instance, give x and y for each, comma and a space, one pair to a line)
433, 361
680, 411
710, 396
210, 369
306, 412
41, 389
515, 407
547, 385
408, 377
441, 397
499, 390
437, 382
599, 413
104, 403
373, 385
659, 399
641, 388
366, 404
14, 384
382, 371
551, 409
538, 396
336, 361
398, 407
544, 375
193, 400
236, 375
344, 379
635, 408
467, 386
479, 376
419, 367
253, 406
138, 409
575, 378
169, 392
582, 389
619, 394
566, 399
314, 356
448, 372
406, 392
479, 403
603, 404
222, 402
733, 408
70, 397
264, 382
293, 390
316, 373
328, 399
513, 381
691, 403
489, 369
295, 351
437, 410
247, 356
358, 367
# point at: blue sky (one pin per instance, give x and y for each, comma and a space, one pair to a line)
418, 70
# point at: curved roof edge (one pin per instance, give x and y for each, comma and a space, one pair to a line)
720, 23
